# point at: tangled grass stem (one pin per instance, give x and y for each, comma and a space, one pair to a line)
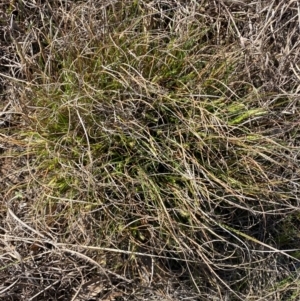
149, 149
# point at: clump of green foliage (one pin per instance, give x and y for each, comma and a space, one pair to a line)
159, 152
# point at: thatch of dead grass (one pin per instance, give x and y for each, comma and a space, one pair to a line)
150, 150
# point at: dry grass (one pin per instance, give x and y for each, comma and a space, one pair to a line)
149, 150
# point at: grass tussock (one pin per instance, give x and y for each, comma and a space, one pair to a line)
150, 150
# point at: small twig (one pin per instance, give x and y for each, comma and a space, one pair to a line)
8, 288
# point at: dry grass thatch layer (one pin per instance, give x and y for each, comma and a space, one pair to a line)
149, 150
